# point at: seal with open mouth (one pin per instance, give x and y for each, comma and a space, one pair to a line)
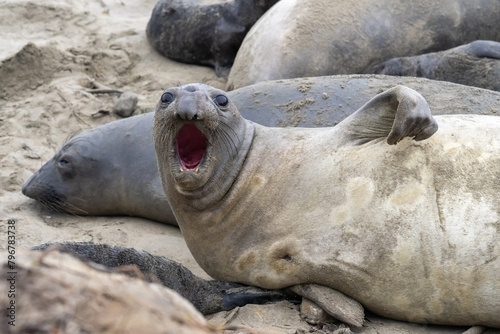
121, 153
207, 140
409, 230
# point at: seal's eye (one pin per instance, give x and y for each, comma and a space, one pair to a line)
63, 162
221, 100
167, 97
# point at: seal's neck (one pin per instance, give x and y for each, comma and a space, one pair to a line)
224, 174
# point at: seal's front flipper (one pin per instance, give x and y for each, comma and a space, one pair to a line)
234, 295
333, 302
396, 113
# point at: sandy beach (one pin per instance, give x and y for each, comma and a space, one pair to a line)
52, 52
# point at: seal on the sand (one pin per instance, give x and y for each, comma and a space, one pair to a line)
107, 170
474, 64
205, 33
409, 230
72, 181
207, 296
302, 38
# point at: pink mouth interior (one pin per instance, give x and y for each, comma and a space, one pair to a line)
191, 146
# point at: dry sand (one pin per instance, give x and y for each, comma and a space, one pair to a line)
51, 52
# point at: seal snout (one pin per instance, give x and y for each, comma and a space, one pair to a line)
28, 186
188, 108
191, 146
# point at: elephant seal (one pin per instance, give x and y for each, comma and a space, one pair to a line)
121, 153
203, 32
474, 64
409, 230
303, 38
207, 296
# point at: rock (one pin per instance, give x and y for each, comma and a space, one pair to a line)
125, 104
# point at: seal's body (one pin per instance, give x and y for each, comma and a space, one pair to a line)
409, 230
203, 32
474, 64
300, 38
72, 181
207, 296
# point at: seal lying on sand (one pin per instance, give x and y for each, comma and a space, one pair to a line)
121, 153
474, 64
302, 38
207, 296
203, 33
409, 230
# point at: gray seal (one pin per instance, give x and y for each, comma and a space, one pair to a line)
381, 207
121, 153
304, 38
474, 64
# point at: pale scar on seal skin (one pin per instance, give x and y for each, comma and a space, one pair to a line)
381, 208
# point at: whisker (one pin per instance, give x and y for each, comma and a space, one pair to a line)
73, 209
49, 205
229, 127
228, 141
235, 135
231, 138
223, 140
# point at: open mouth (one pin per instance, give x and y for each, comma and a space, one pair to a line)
191, 146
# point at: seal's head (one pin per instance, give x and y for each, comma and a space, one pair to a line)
107, 170
58, 184
201, 141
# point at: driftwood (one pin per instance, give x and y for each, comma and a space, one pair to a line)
57, 293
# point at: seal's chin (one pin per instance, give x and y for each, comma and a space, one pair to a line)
191, 146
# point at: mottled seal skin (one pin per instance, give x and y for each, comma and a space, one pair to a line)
203, 32
409, 230
72, 180
303, 38
207, 296
474, 64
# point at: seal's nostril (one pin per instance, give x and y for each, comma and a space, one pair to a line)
187, 114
